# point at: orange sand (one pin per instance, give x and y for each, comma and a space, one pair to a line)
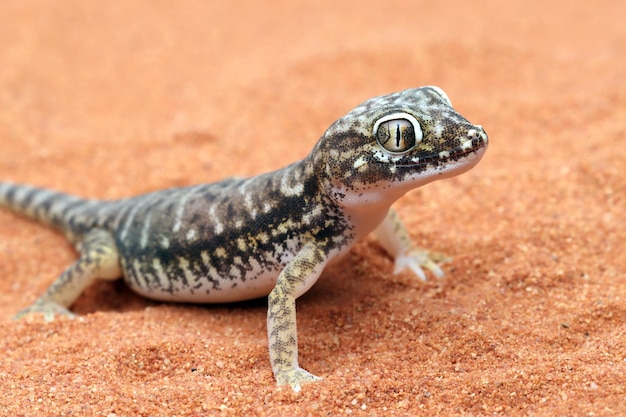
110, 99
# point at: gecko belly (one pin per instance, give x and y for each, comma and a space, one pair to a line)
205, 289
195, 280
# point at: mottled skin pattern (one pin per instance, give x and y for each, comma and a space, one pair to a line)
271, 234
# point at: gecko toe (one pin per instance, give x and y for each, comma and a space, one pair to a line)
416, 260
48, 309
295, 378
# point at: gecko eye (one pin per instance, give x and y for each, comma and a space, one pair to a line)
398, 133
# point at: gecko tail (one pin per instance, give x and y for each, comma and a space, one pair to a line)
55, 209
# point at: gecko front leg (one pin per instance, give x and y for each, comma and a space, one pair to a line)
395, 239
294, 280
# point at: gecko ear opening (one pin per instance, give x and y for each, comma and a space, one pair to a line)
397, 133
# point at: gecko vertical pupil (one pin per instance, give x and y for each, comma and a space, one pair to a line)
396, 135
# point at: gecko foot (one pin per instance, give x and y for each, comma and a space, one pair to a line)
47, 308
418, 259
294, 377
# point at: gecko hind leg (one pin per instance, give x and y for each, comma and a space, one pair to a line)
98, 259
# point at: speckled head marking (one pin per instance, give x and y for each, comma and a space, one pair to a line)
394, 143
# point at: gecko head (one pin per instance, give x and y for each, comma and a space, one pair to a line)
391, 144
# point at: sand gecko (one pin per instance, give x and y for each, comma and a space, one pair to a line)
269, 235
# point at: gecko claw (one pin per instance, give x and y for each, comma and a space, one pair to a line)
417, 259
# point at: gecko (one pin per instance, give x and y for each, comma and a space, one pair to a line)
268, 235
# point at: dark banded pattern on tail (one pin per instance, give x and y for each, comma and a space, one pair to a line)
59, 210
